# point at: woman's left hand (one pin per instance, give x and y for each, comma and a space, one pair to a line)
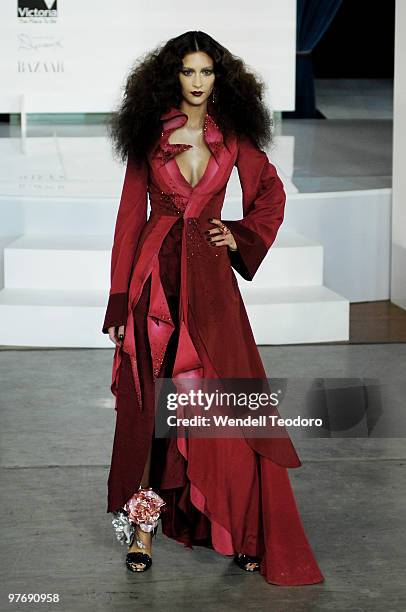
216, 237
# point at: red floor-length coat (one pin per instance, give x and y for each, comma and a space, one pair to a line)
237, 488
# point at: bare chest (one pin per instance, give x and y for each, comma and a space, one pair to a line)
193, 162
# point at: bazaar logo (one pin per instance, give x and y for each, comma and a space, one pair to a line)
36, 9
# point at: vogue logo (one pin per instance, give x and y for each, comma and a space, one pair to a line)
36, 9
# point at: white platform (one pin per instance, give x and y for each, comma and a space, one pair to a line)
70, 263
297, 314
56, 289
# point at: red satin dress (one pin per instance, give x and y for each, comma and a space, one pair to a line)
218, 493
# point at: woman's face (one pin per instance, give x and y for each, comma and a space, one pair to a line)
197, 75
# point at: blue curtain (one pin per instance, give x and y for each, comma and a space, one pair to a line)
313, 20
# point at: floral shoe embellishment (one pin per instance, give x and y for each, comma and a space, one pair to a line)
143, 509
123, 527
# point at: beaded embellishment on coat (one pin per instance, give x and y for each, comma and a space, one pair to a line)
166, 150
172, 201
195, 242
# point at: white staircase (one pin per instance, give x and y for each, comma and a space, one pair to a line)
287, 302
56, 290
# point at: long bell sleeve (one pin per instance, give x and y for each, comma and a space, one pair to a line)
131, 218
263, 203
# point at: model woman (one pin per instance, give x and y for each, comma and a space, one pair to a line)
191, 112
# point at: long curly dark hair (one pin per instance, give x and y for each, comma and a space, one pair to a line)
153, 87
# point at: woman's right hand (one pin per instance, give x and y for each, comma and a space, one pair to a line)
114, 333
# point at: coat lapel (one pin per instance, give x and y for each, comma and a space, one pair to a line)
165, 152
175, 118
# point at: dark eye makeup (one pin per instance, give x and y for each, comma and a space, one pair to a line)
187, 71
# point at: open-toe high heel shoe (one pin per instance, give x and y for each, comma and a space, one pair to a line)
141, 512
245, 561
135, 559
